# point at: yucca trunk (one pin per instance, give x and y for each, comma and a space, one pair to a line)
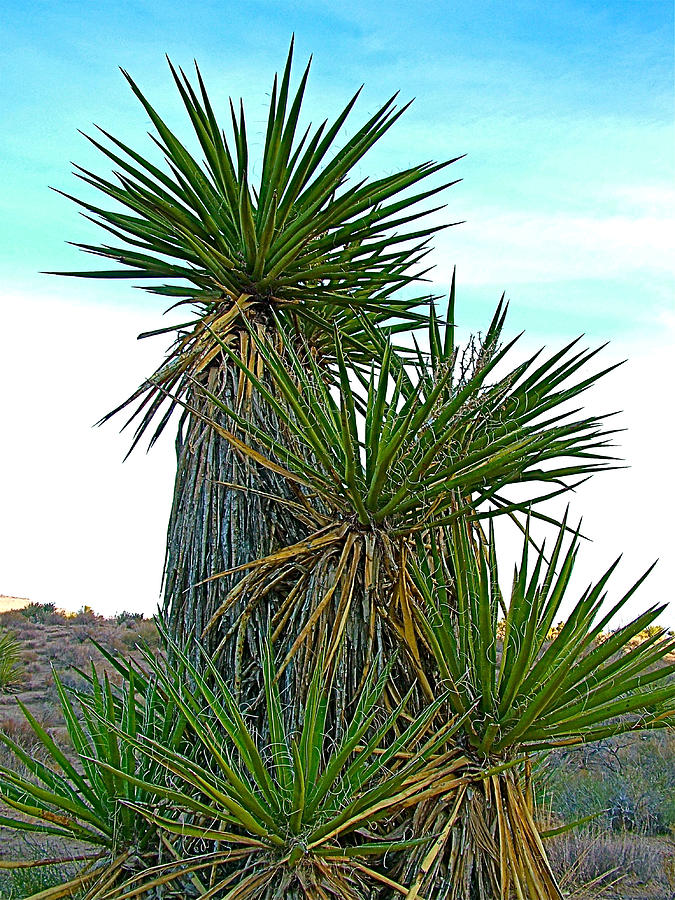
338, 598
222, 517
346, 625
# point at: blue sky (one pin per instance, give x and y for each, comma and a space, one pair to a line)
565, 112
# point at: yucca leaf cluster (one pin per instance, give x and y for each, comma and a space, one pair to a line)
294, 814
397, 480
428, 447
74, 794
524, 687
172, 763
295, 231
12, 670
305, 243
382, 460
533, 688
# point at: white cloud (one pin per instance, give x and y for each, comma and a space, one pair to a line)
522, 245
653, 199
628, 512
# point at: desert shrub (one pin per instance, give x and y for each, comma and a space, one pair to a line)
31, 634
87, 798
12, 671
68, 678
19, 883
127, 640
145, 632
12, 618
19, 731
38, 612
85, 616
79, 634
56, 618
125, 617
63, 655
628, 780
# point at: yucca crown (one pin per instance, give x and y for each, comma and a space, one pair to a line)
305, 242
301, 232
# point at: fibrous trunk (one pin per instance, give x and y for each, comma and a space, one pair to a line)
223, 516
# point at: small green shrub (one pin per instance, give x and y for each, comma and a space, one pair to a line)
126, 616
40, 871
87, 795
12, 672
85, 616
146, 633
629, 780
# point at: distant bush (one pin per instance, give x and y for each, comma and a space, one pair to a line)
84, 616
629, 780
38, 612
12, 671
649, 632
18, 883
146, 633
13, 618
19, 731
140, 633
64, 655
123, 617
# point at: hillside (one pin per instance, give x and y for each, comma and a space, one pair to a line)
52, 640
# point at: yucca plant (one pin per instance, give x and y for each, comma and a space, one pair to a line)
306, 812
351, 702
376, 469
523, 689
304, 246
73, 796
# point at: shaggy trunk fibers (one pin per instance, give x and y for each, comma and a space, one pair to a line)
488, 846
220, 519
343, 605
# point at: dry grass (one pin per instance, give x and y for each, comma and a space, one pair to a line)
594, 863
